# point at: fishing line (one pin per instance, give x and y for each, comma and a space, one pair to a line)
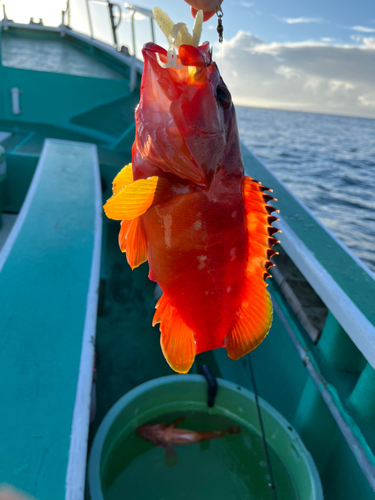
271, 484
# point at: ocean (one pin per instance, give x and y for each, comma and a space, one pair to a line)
327, 161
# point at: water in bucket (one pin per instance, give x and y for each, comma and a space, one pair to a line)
231, 468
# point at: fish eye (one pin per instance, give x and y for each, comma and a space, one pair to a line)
223, 96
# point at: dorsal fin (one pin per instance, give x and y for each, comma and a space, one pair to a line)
177, 421
254, 316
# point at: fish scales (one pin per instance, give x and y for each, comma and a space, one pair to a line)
197, 268
187, 207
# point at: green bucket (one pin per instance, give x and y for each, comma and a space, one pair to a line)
179, 394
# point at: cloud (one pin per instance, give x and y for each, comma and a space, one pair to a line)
309, 75
363, 29
357, 38
302, 20
246, 4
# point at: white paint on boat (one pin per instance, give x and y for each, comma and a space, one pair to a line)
76, 471
15, 93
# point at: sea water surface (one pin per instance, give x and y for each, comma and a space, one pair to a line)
327, 161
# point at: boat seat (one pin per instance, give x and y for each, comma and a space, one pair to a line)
49, 275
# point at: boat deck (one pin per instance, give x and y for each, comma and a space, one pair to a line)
29, 50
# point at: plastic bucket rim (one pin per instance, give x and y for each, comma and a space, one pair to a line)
94, 476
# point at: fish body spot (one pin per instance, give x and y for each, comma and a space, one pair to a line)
197, 225
232, 253
206, 292
201, 259
229, 289
234, 214
168, 230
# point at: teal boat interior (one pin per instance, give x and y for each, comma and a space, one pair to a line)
71, 306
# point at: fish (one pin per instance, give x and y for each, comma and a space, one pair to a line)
187, 207
167, 435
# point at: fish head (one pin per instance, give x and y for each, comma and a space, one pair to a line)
185, 116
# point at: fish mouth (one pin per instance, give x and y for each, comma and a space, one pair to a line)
184, 55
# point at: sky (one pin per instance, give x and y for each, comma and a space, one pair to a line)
315, 55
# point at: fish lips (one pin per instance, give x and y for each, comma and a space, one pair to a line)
195, 56
188, 55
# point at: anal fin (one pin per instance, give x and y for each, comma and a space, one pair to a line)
252, 321
170, 457
177, 339
133, 240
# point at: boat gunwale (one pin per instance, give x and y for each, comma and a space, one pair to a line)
135, 65
354, 322
76, 469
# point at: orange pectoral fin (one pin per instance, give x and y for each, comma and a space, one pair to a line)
133, 240
136, 198
123, 178
176, 340
254, 316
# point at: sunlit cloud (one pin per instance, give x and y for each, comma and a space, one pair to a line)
363, 29
316, 76
246, 4
302, 20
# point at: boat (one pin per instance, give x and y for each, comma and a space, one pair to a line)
71, 307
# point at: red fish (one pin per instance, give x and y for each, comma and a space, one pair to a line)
167, 435
187, 207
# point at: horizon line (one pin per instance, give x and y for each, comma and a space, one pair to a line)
304, 111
